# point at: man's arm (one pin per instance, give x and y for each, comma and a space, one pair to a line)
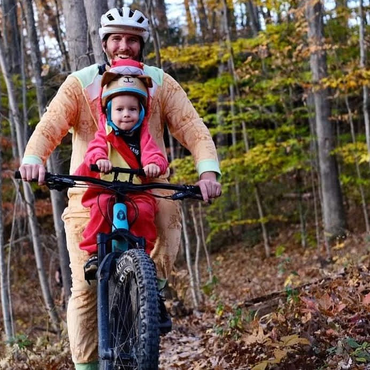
60, 117
189, 129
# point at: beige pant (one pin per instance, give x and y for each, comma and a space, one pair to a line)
81, 311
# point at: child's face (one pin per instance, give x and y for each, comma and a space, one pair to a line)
125, 111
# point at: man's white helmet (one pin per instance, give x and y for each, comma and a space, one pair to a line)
124, 20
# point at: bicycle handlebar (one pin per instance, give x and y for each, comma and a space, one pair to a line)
61, 181
117, 170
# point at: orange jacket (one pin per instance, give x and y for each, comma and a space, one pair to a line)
75, 109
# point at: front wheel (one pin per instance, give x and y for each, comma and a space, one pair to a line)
133, 313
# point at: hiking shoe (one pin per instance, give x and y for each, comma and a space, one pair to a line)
90, 268
165, 322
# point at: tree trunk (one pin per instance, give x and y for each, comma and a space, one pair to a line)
161, 24
57, 198
29, 197
208, 258
315, 177
11, 42
154, 32
189, 21
257, 194
94, 10
161, 14
197, 253
203, 21
357, 165
365, 89
77, 35
11, 36
253, 17
54, 23
188, 259
4, 282
333, 210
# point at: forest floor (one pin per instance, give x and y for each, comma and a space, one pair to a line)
294, 310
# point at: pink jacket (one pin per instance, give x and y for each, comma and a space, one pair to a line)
106, 145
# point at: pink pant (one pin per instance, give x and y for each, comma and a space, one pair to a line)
141, 211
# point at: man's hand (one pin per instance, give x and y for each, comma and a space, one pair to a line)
152, 170
33, 172
209, 186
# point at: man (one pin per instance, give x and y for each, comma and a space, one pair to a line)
75, 109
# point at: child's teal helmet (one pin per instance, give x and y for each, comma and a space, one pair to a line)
114, 85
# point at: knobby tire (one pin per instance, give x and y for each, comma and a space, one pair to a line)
133, 313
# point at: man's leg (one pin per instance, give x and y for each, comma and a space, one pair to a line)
168, 222
81, 311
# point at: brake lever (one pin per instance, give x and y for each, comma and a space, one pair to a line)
186, 194
57, 183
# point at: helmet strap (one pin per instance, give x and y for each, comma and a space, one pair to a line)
141, 118
109, 118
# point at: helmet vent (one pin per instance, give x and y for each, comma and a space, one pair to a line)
118, 20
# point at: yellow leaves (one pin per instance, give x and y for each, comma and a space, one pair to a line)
280, 354
261, 366
292, 280
339, 245
346, 82
364, 158
353, 151
45, 70
184, 170
292, 340
198, 55
283, 347
202, 56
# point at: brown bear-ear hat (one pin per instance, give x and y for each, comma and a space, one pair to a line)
125, 84
110, 76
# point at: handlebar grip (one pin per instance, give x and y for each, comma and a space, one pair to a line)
141, 172
17, 176
191, 192
94, 168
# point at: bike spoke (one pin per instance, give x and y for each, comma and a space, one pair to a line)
133, 315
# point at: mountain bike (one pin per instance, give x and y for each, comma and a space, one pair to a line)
127, 292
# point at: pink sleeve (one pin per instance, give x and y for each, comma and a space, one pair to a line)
98, 148
150, 152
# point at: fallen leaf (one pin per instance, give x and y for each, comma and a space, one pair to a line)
291, 340
260, 366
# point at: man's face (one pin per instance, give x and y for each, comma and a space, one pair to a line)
122, 46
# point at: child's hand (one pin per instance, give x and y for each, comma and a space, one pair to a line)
152, 170
104, 165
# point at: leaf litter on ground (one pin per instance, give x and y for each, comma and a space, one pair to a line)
294, 310
253, 319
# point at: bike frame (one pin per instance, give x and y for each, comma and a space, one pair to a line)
113, 244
